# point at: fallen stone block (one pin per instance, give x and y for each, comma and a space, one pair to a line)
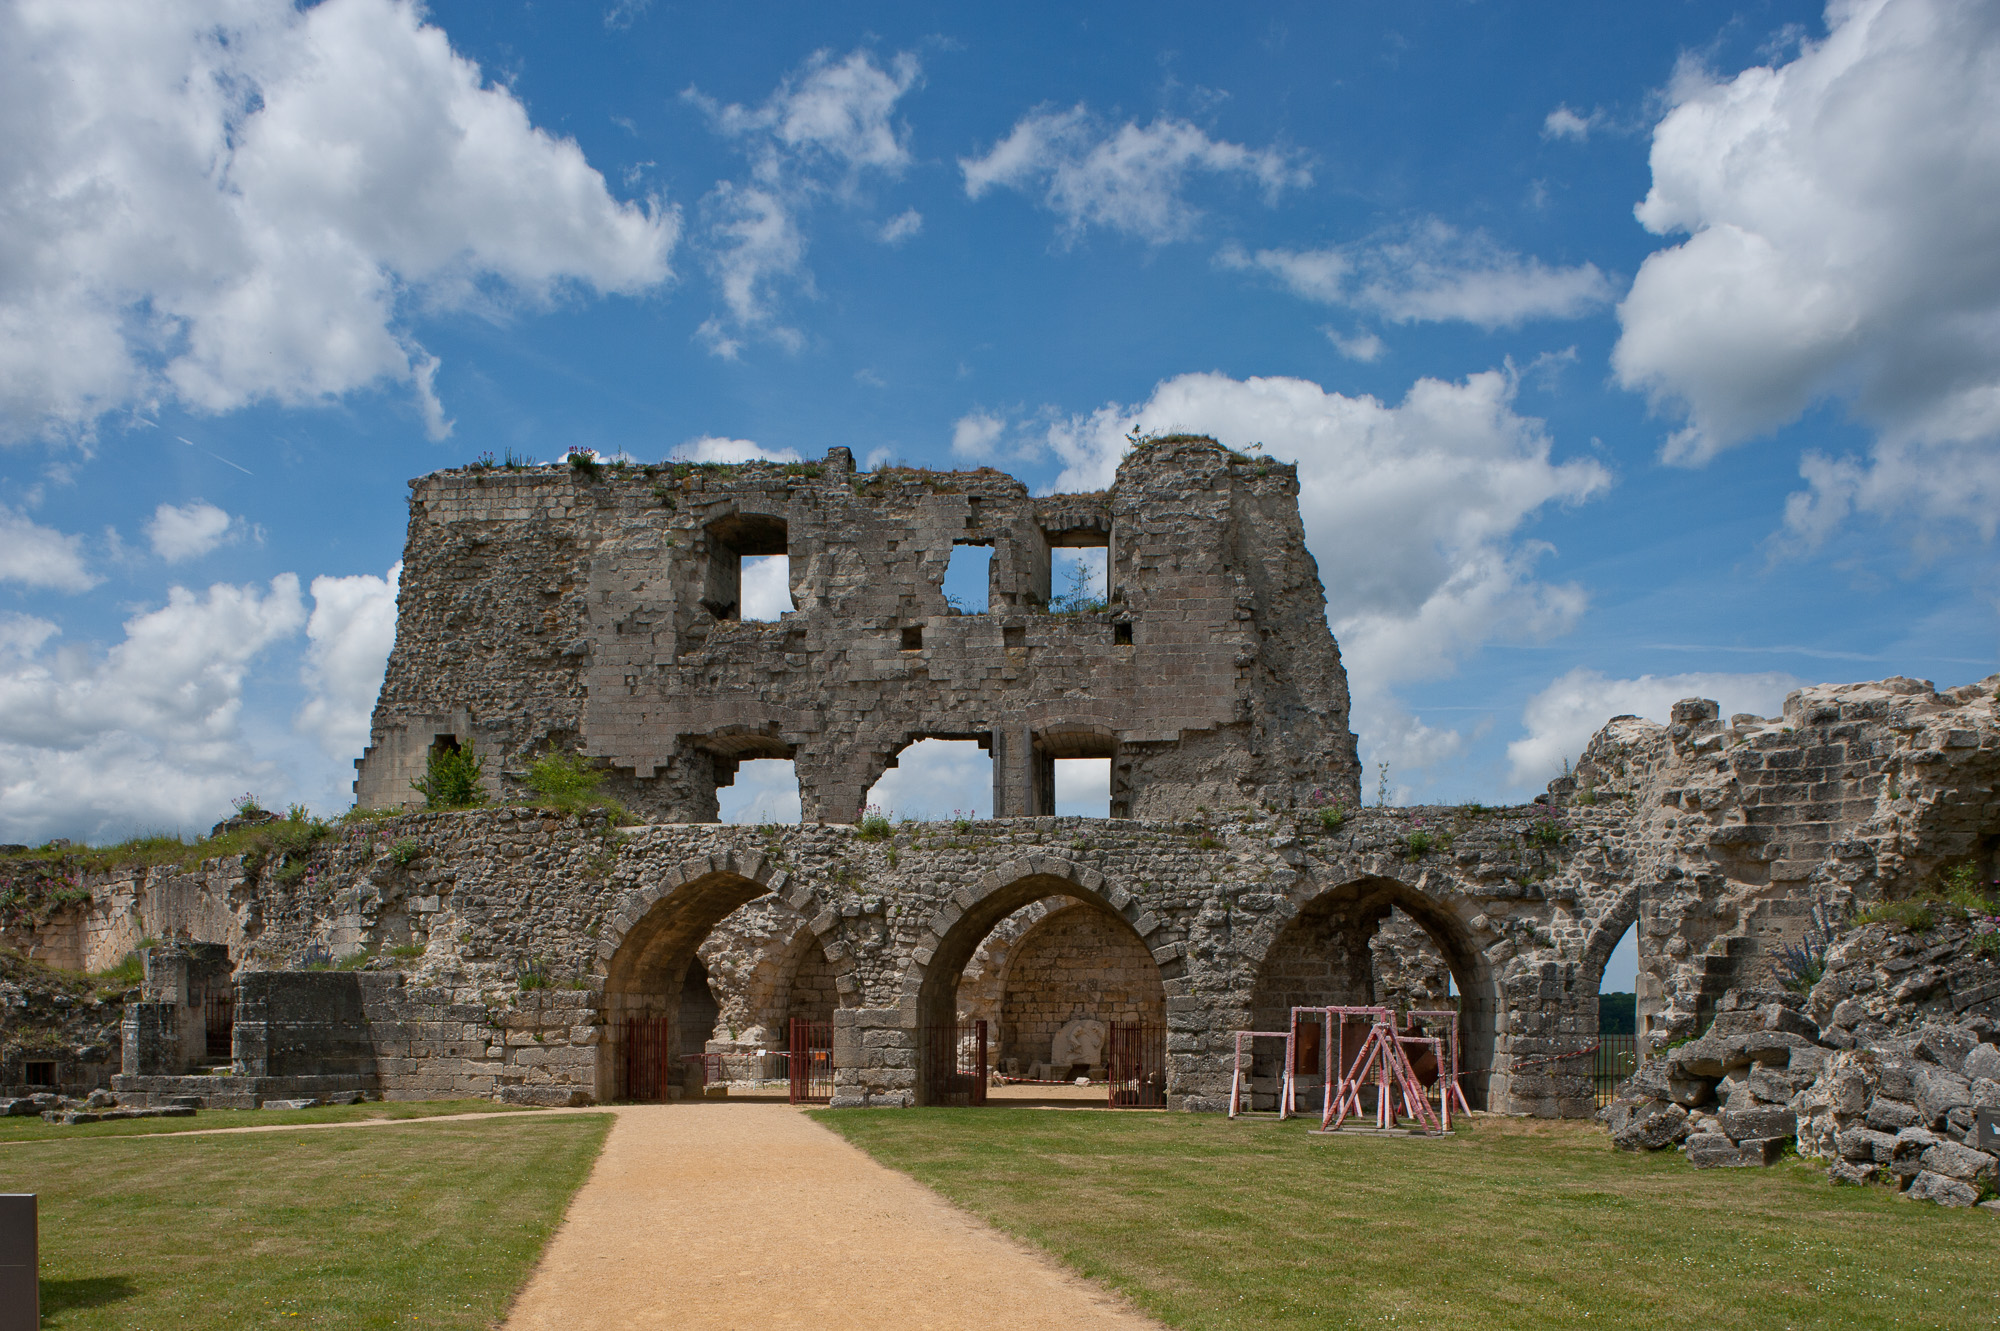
1886, 1115
1982, 1061
1848, 1171
1960, 1162
548, 1097
1865, 1145
1938, 1093
1942, 1190
1654, 1132
290, 1104
1712, 1150
1745, 1123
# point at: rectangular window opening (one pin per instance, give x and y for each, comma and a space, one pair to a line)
767, 587
766, 791
913, 639
935, 780
1083, 787
1121, 633
968, 579
1014, 635
1076, 581
40, 1074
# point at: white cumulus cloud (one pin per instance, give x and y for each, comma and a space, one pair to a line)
146, 734
38, 556
352, 628
974, 434
826, 127
1434, 273
1130, 178
189, 531
715, 448
1842, 221
1561, 718
218, 202
1414, 512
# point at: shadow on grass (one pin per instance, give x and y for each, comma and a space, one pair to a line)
60, 1296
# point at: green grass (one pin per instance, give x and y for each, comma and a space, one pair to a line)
434, 1226
35, 1129
1212, 1224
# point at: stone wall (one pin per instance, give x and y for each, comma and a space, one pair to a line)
552, 608
1077, 963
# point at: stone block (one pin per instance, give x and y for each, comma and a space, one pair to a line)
1943, 1190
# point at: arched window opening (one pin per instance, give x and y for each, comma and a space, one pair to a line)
1618, 1033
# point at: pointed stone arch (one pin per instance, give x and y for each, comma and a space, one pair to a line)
1353, 907
929, 983
650, 939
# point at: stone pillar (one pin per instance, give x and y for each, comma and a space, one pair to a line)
874, 1058
1014, 789
152, 1040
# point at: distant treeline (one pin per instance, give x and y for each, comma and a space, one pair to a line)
1618, 1014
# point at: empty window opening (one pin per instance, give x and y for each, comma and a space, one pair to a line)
1083, 787
1014, 635
731, 541
40, 1074
1076, 581
968, 579
766, 791
767, 587
1121, 633
913, 638
936, 780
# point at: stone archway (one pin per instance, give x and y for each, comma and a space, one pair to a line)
1077, 961
1605, 933
1319, 955
647, 952
930, 982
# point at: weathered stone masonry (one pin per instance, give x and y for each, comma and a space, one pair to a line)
550, 608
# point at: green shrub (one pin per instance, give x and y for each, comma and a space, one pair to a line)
1419, 844
534, 975
406, 850
584, 463
1330, 820
564, 781
1918, 916
451, 780
405, 951
875, 825
1547, 833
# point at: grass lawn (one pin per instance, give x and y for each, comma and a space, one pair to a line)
1212, 1224
433, 1226
36, 1130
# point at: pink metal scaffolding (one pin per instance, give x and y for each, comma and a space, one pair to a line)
1238, 1082
1380, 1060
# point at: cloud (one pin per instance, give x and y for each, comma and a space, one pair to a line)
1414, 512
937, 779
624, 13
715, 448
219, 202
1433, 273
827, 126
1130, 178
352, 628
145, 735
901, 227
1563, 123
1364, 347
767, 587
1561, 718
974, 434
189, 531
38, 556
1843, 245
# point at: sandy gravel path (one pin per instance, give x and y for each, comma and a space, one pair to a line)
752, 1215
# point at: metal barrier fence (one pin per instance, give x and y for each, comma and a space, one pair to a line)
218, 1011
954, 1058
811, 1059
1136, 1060
647, 1064
1617, 1058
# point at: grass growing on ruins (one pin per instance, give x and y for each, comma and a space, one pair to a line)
1206, 1223
36, 1129
434, 1226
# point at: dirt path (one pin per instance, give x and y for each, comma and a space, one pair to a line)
752, 1215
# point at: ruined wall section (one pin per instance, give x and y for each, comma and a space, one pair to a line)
553, 607
1856, 794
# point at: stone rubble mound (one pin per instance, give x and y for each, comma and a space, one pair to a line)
1890, 1100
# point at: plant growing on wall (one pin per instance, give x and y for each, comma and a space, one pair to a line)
564, 781
1800, 965
451, 780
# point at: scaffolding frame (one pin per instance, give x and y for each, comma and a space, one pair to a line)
1245, 1042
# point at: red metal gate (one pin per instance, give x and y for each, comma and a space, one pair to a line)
811, 1062
648, 1068
218, 1012
1136, 1061
955, 1064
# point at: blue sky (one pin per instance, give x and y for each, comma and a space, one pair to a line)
1628, 352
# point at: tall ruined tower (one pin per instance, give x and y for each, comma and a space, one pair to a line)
552, 607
